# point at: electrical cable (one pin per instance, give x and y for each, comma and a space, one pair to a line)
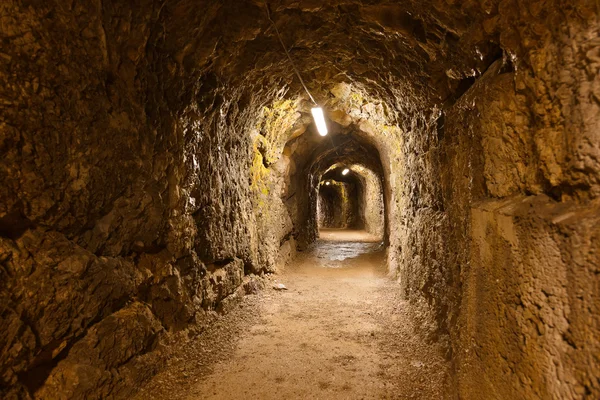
288, 54
334, 147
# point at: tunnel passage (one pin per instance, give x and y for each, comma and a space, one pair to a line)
351, 197
345, 148
157, 157
338, 205
368, 195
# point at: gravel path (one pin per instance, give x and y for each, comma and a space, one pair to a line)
340, 331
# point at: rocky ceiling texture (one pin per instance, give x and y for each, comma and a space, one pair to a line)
155, 156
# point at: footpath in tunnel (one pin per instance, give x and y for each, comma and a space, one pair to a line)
339, 332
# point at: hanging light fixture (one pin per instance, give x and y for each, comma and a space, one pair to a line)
345, 171
319, 118
317, 112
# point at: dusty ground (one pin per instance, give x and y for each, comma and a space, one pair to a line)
340, 331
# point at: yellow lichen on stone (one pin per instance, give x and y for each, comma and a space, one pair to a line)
275, 125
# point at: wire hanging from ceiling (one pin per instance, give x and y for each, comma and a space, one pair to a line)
288, 54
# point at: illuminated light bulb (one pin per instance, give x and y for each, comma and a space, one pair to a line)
345, 171
328, 183
319, 118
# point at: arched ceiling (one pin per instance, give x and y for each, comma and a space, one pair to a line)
341, 150
335, 173
407, 53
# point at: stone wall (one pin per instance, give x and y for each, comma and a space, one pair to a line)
371, 204
83, 196
530, 268
122, 221
499, 197
530, 302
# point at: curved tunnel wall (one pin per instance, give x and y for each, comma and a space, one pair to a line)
341, 149
372, 203
153, 154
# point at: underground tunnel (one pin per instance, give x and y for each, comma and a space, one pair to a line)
350, 198
176, 223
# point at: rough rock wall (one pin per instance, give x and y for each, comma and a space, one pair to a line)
328, 202
82, 192
529, 321
371, 204
130, 208
502, 248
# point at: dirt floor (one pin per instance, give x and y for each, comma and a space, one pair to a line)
340, 331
